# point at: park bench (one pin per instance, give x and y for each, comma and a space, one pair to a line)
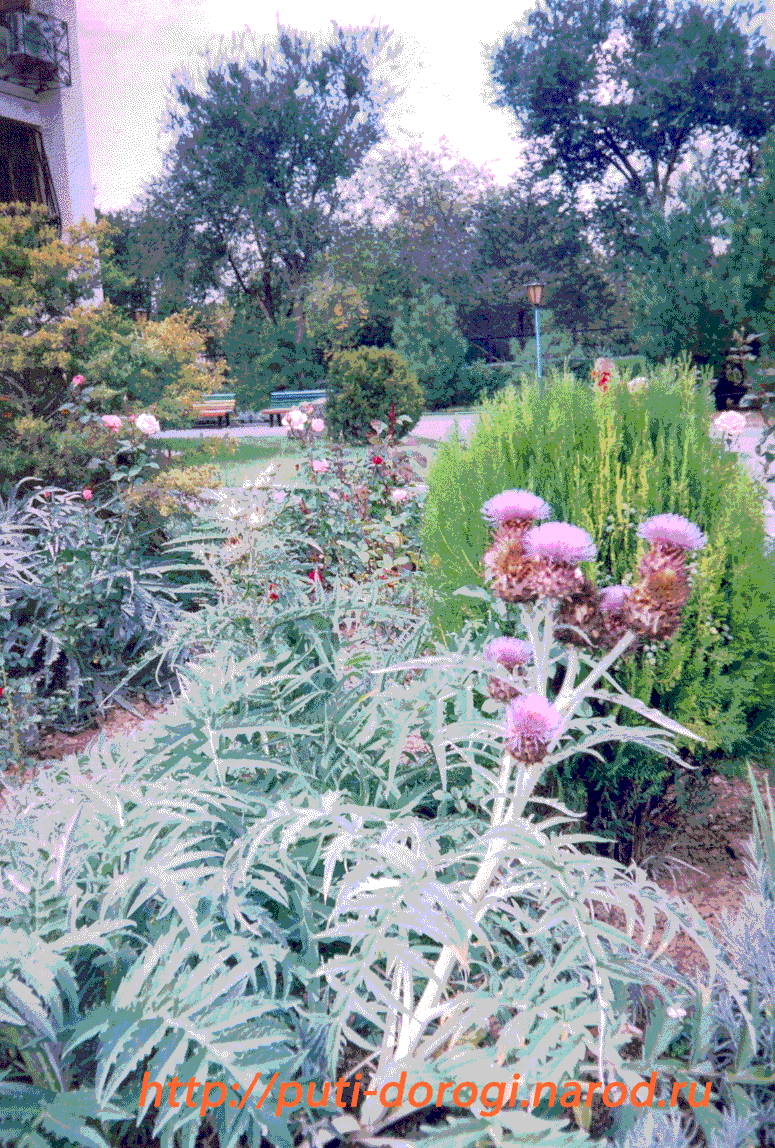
215, 407
284, 401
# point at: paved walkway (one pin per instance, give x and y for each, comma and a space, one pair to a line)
436, 427
440, 427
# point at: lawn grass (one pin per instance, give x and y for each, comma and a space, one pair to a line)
244, 459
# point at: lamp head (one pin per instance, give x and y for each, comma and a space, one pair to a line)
535, 293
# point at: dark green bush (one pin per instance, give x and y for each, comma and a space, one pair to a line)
265, 357
362, 386
426, 335
83, 602
606, 463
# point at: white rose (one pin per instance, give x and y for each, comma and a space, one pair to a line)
147, 424
731, 423
295, 420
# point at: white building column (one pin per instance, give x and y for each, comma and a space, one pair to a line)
64, 131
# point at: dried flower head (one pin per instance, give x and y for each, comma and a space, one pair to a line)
512, 504
672, 530
531, 722
580, 620
508, 568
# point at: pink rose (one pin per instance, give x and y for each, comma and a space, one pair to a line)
87, 494
147, 424
400, 494
112, 422
318, 426
295, 420
319, 465
78, 380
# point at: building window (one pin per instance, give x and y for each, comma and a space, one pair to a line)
24, 170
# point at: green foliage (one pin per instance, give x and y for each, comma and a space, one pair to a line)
428, 339
674, 72
264, 356
43, 281
678, 294
218, 899
61, 457
248, 207
529, 231
605, 463
50, 332
557, 350
352, 518
362, 385
83, 601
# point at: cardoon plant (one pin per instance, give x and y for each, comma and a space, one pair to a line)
537, 566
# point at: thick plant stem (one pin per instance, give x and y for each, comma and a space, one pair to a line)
412, 1027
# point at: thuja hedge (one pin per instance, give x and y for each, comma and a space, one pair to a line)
605, 463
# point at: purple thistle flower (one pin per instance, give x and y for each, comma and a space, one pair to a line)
672, 530
509, 652
511, 504
560, 542
613, 598
531, 721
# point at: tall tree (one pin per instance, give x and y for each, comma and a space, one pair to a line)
527, 232
413, 210
624, 89
261, 143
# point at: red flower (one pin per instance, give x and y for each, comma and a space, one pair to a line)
376, 460
1, 691
273, 595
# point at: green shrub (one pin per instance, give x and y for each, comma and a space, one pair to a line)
427, 337
479, 380
605, 463
265, 357
50, 331
557, 349
362, 385
83, 603
61, 455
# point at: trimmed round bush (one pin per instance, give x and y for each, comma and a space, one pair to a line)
362, 385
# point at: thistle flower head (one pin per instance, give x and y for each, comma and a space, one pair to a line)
560, 542
509, 652
672, 530
531, 722
613, 598
511, 504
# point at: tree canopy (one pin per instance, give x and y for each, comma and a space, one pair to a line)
260, 145
624, 89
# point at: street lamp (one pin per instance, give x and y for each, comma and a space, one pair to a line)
535, 293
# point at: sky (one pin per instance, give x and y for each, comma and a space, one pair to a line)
130, 48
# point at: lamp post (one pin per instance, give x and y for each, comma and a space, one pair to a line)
535, 293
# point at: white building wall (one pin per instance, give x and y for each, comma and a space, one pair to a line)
60, 116
64, 132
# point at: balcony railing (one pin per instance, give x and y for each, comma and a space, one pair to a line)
34, 48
